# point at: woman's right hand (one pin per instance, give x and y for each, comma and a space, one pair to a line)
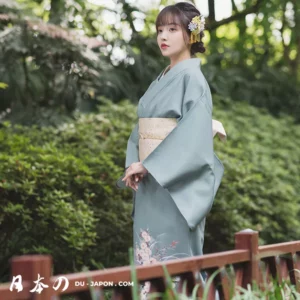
133, 181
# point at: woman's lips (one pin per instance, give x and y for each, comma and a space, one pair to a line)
164, 46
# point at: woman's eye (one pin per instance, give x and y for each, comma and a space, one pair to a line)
172, 29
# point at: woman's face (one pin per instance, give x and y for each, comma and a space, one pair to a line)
172, 36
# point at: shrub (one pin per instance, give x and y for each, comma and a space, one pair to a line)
58, 193
261, 184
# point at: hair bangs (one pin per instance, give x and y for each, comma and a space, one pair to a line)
168, 16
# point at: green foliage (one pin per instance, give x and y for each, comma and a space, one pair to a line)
261, 184
266, 87
273, 291
43, 83
51, 73
58, 193
3, 85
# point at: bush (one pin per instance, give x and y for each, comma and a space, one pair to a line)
261, 184
58, 193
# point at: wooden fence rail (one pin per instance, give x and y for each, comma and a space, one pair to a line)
246, 264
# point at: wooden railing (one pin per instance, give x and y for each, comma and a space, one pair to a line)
249, 263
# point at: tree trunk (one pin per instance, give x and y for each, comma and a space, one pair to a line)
211, 20
296, 32
211, 9
57, 12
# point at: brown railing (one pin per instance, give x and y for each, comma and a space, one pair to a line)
246, 264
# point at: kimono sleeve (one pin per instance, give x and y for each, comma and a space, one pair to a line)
132, 153
183, 163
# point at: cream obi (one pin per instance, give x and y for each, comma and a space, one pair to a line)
152, 131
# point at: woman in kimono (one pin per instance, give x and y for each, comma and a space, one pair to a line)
170, 161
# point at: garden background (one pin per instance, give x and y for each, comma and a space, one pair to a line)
71, 75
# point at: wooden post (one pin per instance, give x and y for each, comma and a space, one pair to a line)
157, 285
248, 240
29, 266
297, 269
122, 293
189, 277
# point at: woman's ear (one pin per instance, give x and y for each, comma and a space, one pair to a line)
187, 40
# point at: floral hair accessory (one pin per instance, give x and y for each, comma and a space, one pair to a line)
196, 26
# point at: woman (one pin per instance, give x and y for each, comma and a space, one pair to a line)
170, 162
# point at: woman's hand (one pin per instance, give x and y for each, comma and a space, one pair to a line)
133, 181
134, 174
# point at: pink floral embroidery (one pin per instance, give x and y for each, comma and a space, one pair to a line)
174, 243
148, 252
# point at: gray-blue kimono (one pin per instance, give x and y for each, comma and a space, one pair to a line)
173, 199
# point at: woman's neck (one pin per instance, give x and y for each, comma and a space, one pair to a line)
166, 70
182, 56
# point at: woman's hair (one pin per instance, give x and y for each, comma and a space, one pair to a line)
181, 14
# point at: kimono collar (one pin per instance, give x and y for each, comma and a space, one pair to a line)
160, 82
182, 65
